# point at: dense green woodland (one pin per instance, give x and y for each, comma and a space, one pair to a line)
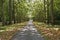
16, 11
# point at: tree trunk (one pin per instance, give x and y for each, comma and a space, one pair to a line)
2, 11
48, 12
10, 12
45, 10
52, 14
13, 14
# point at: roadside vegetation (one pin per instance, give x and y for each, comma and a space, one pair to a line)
48, 32
6, 32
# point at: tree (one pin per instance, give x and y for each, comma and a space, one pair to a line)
48, 15
2, 12
45, 10
10, 12
51, 11
13, 13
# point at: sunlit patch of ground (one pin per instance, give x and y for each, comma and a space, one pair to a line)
6, 32
48, 32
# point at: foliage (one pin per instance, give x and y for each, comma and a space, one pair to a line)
10, 30
51, 33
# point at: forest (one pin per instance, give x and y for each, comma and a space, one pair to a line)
18, 10
14, 14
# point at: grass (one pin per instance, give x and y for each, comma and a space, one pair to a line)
48, 32
6, 32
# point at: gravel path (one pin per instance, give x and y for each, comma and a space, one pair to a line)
29, 32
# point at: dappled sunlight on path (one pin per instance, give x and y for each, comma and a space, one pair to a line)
29, 32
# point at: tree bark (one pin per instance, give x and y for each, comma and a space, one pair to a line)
52, 14
10, 12
13, 14
2, 11
48, 12
45, 10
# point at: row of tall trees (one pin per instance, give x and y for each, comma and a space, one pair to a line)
13, 11
51, 11
47, 11
38, 11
